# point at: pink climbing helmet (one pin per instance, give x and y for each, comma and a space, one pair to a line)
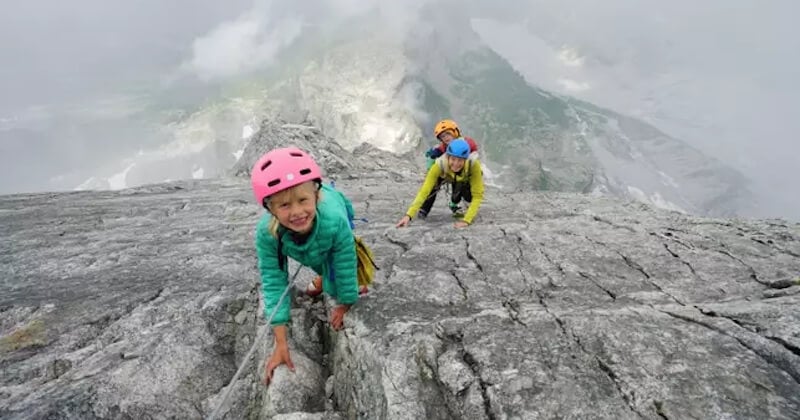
281, 169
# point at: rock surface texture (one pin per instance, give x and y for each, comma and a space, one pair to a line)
142, 304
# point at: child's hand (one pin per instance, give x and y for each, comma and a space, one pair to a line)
337, 316
279, 356
403, 222
461, 224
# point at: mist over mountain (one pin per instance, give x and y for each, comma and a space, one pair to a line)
615, 100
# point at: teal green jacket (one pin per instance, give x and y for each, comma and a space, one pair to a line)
329, 251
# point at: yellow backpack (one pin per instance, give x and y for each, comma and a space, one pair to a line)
366, 262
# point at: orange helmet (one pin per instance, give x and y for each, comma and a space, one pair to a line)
445, 125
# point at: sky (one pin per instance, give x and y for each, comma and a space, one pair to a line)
718, 74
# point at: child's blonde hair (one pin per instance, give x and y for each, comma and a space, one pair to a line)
290, 193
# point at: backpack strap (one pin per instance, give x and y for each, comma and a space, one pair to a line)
350, 216
472, 157
360, 244
282, 259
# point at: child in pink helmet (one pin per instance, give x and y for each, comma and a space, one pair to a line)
309, 222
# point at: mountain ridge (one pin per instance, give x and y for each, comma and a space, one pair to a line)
143, 302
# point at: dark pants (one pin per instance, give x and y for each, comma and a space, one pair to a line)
461, 191
428, 204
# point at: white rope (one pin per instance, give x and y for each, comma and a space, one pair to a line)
246, 359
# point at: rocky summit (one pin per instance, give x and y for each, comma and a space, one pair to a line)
142, 303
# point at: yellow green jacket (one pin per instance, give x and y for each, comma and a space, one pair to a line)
471, 173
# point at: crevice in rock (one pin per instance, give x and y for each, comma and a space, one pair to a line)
634, 265
509, 303
760, 352
451, 404
745, 233
670, 237
659, 406
520, 261
784, 283
715, 314
674, 255
554, 263
512, 307
396, 242
686, 263
463, 287
753, 274
571, 336
154, 297
771, 244
367, 202
588, 277
473, 259
723, 251
563, 327
607, 370
617, 382
475, 367
789, 346
610, 223
456, 339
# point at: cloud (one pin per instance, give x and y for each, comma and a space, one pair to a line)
720, 75
253, 40
570, 57
241, 46
572, 86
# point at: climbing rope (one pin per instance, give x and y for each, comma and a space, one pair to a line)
214, 415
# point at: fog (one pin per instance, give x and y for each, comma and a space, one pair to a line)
720, 75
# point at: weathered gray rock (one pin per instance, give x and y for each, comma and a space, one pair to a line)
131, 297
142, 303
334, 160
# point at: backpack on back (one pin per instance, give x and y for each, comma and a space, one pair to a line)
366, 263
467, 165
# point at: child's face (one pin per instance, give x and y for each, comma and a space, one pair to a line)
456, 163
446, 136
296, 207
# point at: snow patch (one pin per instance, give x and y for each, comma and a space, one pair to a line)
117, 181
489, 177
247, 132
238, 154
92, 184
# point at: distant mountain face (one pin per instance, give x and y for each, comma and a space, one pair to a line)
553, 142
359, 83
361, 86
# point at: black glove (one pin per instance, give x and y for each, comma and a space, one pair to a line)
433, 153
